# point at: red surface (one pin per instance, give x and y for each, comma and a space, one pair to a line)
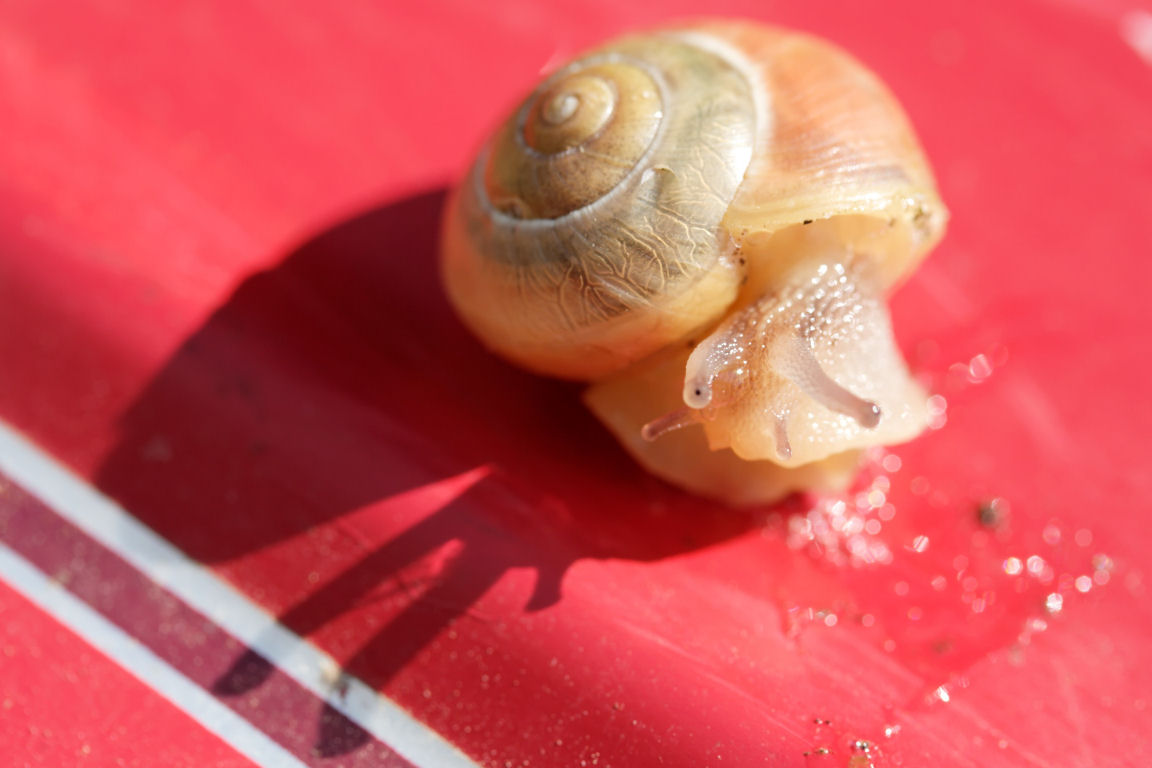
218, 301
64, 703
303, 724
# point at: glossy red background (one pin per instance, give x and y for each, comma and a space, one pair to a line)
218, 302
65, 704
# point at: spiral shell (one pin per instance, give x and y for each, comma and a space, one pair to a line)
695, 184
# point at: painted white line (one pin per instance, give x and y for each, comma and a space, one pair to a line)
141, 662
104, 520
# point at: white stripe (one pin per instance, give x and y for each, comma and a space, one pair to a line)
141, 662
104, 520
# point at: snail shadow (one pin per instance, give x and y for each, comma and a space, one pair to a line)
339, 384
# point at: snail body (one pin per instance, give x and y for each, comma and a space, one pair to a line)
704, 222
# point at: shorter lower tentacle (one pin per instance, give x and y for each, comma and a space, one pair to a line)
669, 422
806, 371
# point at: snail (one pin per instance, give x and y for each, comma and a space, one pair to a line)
704, 222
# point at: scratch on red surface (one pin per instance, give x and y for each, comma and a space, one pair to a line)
1010, 747
1075, 714
784, 724
1033, 405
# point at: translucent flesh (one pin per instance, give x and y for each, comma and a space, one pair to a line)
781, 395
683, 457
806, 370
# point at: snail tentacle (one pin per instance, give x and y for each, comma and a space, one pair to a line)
783, 445
704, 222
797, 363
669, 422
814, 357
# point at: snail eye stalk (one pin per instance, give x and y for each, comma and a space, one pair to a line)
797, 363
727, 181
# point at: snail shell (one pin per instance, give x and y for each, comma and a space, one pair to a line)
704, 221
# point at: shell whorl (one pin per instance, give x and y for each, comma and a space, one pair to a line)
598, 206
642, 221
600, 224
575, 139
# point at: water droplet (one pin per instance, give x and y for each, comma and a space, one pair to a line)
979, 368
1054, 603
1083, 583
1013, 566
937, 412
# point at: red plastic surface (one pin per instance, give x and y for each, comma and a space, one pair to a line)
219, 303
64, 703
